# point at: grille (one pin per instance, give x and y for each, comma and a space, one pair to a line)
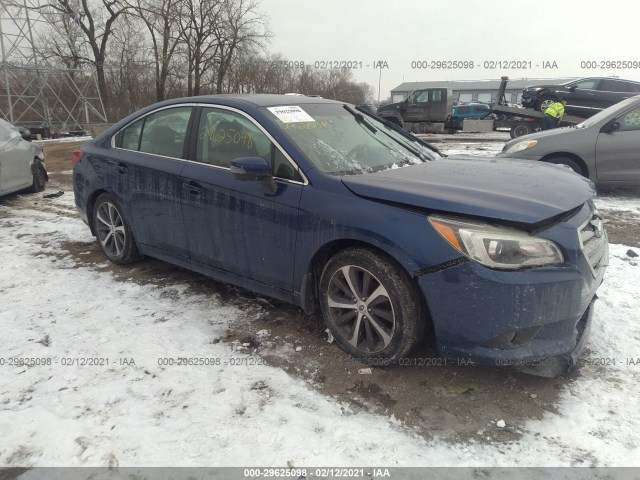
594, 242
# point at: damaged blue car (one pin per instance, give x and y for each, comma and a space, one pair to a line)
326, 206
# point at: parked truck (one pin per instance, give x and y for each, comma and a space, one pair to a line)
430, 111
422, 111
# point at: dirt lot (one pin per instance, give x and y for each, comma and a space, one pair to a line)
435, 397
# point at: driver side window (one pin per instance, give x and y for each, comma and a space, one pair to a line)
224, 136
630, 120
421, 97
586, 85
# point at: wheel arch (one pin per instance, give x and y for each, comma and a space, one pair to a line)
91, 203
309, 297
581, 163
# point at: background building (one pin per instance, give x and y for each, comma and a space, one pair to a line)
475, 90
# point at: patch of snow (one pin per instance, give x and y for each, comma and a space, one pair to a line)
226, 412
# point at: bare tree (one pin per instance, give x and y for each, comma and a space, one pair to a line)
241, 29
197, 26
161, 18
130, 73
96, 21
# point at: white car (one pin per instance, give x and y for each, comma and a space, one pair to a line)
21, 162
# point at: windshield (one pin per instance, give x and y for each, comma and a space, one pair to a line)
340, 140
618, 107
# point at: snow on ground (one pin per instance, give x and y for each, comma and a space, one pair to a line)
484, 149
629, 202
222, 414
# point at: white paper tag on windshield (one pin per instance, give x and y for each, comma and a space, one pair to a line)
291, 114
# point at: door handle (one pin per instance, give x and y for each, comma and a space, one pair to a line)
122, 168
194, 187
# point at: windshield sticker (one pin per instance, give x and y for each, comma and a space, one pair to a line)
291, 114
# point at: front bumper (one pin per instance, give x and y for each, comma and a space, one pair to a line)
524, 318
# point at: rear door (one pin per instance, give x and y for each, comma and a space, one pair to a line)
612, 91
234, 225
145, 168
618, 152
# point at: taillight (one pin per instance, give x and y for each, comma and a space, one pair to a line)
76, 156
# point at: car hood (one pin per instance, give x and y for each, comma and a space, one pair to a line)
389, 107
502, 189
554, 132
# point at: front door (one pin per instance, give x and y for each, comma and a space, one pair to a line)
234, 225
618, 152
417, 107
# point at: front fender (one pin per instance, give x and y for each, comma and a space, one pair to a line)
331, 221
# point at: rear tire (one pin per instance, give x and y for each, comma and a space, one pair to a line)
569, 162
113, 231
39, 177
520, 130
370, 306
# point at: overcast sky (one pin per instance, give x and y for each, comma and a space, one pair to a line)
401, 32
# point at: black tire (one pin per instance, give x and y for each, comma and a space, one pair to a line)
520, 130
544, 101
113, 231
569, 162
384, 327
39, 177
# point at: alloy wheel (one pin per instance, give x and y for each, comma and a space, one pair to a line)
361, 309
110, 229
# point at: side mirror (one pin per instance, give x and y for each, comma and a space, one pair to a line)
610, 127
572, 88
252, 169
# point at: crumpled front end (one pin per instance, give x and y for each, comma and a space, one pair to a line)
525, 317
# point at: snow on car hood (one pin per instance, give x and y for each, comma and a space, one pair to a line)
510, 190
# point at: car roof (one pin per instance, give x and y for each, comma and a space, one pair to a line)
600, 78
254, 99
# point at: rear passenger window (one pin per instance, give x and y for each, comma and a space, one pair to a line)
164, 132
129, 138
613, 86
633, 87
161, 133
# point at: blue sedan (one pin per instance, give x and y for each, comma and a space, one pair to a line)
324, 205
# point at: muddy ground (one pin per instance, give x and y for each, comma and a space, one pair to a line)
432, 396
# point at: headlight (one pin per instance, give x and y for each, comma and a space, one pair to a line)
519, 146
496, 247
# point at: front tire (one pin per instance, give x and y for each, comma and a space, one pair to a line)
544, 102
113, 231
370, 305
39, 177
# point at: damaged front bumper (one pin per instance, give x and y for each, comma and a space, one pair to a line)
536, 320
561, 364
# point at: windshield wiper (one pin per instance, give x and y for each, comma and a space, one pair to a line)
398, 129
360, 118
